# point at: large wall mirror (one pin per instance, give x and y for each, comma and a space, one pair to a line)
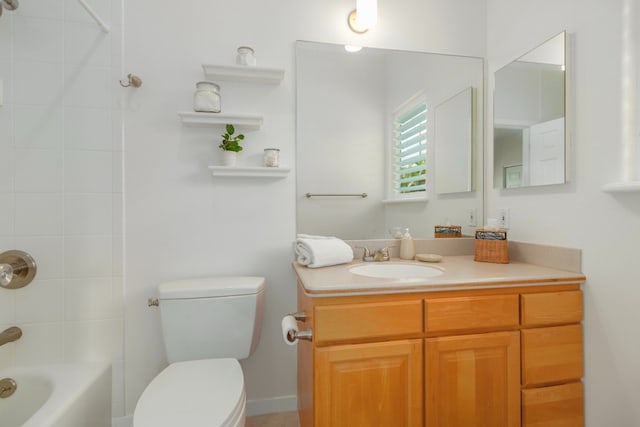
529, 120
345, 108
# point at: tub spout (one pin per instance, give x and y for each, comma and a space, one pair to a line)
10, 334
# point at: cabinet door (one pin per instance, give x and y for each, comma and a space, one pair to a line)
473, 380
374, 384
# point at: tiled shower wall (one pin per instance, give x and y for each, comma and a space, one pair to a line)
60, 182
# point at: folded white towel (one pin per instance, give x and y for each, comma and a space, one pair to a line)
321, 251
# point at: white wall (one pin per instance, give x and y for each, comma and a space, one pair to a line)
60, 183
180, 221
606, 227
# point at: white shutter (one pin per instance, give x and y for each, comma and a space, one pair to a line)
410, 149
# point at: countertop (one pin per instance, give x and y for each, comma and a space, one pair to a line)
460, 272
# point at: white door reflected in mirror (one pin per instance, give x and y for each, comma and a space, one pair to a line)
529, 118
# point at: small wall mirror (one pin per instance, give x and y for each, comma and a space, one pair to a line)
529, 130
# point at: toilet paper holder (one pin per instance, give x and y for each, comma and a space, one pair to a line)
292, 336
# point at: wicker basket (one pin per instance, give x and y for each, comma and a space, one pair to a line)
446, 231
492, 246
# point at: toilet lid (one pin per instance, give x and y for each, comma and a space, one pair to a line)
193, 393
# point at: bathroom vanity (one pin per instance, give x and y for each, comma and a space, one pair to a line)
479, 345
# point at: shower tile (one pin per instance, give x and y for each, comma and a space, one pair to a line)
73, 11
6, 39
48, 253
38, 126
7, 215
7, 352
88, 128
29, 209
38, 171
95, 340
87, 256
6, 173
38, 39
41, 9
88, 171
7, 308
87, 214
40, 343
6, 76
40, 301
88, 86
32, 86
86, 44
88, 299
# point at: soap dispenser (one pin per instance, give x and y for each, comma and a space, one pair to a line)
407, 249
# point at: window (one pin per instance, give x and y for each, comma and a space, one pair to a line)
409, 149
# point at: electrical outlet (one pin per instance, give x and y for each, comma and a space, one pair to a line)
504, 218
471, 217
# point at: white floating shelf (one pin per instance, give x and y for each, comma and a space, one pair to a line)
244, 121
249, 172
236, 73
622, 187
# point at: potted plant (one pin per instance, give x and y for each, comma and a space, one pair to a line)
230, 145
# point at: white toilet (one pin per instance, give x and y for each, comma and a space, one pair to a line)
208, 324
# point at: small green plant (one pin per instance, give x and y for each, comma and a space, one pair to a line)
231, 142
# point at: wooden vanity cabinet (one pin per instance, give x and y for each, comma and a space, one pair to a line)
502, 357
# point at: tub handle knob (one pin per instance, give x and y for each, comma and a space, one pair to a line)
153, 302
17, 269
7, 387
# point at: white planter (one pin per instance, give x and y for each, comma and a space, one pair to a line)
229, 158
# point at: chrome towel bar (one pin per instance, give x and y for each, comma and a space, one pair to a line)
363, 195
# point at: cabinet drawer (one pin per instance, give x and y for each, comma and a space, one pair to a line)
552, 355
465, 314
560, 405
363, 322
551, 308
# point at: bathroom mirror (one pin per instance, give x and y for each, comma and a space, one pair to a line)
346, 104
529, 131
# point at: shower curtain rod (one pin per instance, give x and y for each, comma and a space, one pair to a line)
95, 16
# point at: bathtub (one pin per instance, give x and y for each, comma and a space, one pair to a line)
65, 395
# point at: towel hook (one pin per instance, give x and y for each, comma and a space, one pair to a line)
131, 80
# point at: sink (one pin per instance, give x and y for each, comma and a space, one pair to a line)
389, 270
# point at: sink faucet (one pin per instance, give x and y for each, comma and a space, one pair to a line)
10, 334
381, 254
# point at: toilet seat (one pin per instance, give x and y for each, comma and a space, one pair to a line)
196, 393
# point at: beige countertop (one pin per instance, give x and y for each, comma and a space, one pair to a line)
459, 272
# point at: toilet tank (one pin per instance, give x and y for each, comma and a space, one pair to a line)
211, 317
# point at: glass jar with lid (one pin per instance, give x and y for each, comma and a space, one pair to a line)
206, 99
272, 157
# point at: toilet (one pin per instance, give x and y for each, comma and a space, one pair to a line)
207, 325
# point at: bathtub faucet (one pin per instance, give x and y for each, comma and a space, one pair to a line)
10, 334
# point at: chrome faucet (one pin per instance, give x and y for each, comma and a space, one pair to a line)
10, 334
381, 254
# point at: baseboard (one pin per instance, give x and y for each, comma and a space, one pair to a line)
126, 421
270, 406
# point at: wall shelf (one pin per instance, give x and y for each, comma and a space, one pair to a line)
244, 121
249, 172
246, 74
622, 187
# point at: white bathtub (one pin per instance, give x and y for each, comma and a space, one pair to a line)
69, 395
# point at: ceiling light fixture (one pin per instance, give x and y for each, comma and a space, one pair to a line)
364, 17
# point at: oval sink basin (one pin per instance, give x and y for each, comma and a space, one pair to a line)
388, 270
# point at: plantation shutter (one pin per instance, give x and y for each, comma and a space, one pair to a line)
410, 150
